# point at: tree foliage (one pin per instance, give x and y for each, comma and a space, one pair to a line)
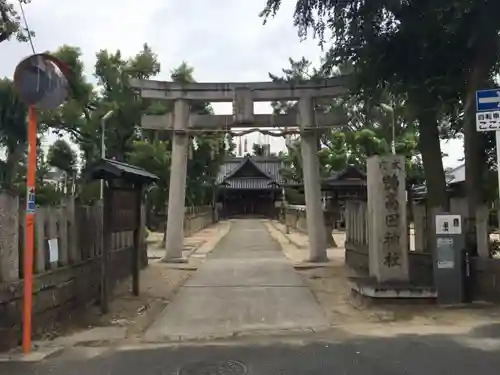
206, 153
10, 21
80, 118
155, 158
430, 53
367, 130
62, 156
258, 149
13, 135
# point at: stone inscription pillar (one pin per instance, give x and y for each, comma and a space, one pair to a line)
312, 188
388, 240
177, 190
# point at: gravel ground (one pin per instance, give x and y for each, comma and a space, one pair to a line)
330, 286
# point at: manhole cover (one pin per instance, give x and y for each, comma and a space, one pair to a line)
214, 368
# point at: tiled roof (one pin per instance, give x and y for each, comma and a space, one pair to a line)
270, 166
453, 176
348, 176
249, 183
110, 169
254, 168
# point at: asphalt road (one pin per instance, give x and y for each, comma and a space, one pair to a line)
415, 355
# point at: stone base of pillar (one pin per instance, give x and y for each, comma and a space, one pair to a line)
173, 260
371, 289
318, 259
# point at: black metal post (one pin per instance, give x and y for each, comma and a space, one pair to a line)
106, 246
138, 241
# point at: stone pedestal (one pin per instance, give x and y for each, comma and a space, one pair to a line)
388, 240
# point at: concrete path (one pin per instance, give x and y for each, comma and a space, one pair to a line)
245, 285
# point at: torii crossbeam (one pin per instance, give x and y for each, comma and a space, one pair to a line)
243, 95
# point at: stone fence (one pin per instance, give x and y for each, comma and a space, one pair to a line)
295, 217
197, 218
485, 271
67, 259
423, 225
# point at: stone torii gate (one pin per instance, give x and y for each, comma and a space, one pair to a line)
243, 96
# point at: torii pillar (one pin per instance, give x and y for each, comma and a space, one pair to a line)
177, 192
310, 168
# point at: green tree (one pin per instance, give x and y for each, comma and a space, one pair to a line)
10, 21
13, 133
79, 115
113, 73
155, 158
367, 130
75, 112
430, 52
47, 194
62, 156
378, 61
258, 150
206, 153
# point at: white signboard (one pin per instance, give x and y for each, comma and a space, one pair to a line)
53, 250
445, 252
488, 121
445, 264
448, 224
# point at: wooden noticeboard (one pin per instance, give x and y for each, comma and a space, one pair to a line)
123, 210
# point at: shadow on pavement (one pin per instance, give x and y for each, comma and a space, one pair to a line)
487, 331
405, 354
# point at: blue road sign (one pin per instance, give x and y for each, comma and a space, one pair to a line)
30, 202
488, 100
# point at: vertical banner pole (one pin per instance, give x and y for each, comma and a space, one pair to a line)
30, 229
497, 144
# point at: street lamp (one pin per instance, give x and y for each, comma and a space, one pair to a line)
103, 146
388, 108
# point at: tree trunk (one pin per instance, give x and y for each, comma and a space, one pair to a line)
475, 160
430, 148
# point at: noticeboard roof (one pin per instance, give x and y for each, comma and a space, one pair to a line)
107, 169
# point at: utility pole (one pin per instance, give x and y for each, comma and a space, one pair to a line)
390, 110
103, 145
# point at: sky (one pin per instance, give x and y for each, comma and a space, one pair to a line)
224, 40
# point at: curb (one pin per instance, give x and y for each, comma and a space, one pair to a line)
37, 355
283, 332
294, 243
